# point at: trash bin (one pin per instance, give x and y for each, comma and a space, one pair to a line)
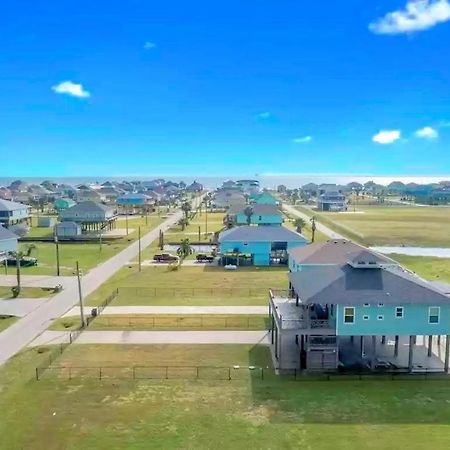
94, 312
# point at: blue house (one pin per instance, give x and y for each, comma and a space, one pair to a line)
260, 215
263, 198
12, 213
349, 308
8, 241
259, 246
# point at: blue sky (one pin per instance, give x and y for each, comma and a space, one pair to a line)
224, 88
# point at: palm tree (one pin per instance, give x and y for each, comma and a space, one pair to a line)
295, 197
183, 222
185, 248
186, 208
248, 211
313, 228
299, 225
16, 289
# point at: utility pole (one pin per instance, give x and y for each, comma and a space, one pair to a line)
80, 295
139, 243
55, 237
206, 220
126, 220
199, 236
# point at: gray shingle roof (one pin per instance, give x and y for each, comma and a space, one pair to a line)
6, 205
345, 285
260, 234
6, 235
88, 206
335, 251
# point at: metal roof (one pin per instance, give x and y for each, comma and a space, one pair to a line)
6, 235
262, 233
6, 205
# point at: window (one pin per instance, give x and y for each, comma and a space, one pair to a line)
433, 314
349, 315
332, 310
399, 312
380, 317
366, 305
366, 317
380, 305
260, 218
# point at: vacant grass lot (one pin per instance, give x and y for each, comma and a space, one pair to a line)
200, 286
433, 269
5, 322
409, 226
196, 414
160, 322
26, 292
89, 255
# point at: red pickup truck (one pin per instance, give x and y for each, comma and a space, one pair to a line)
165, 257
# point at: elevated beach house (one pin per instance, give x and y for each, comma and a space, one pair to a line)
91, 216
259, 246
263, 198
254, 215
348, 308
12, 213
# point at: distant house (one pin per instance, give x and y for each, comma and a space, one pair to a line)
248, 186
66, 190
68, 229
263, 198
12, 213
344, 303
261, 215
331, 201
85, 194
46, 221
281, 189
229, 184
259, 246
195, 187
61, 204
109, 193
90, 215
8, 241
225, 199
132, 203
5, 193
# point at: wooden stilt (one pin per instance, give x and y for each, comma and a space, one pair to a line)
411, 353
396, 346
430, 345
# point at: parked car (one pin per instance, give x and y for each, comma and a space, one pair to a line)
26, 261
384, 365
205, 258
165, 257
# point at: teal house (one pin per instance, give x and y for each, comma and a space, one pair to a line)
258, 246
348, 308
263, 198
260, 215
61, 204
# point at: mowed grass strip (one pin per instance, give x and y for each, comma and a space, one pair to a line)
164, 322
26, 292
196, 286
409, 226
86, 413
6, 321
430, 268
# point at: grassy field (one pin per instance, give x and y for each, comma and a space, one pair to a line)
89, 255
201, 286
162, 322
433, 269
5, 322
409, 226
289, 222
200, 414
26, 292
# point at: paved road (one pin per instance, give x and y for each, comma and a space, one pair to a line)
43, 281
20, 307
18, 335
320, 227
178, 310
155, 337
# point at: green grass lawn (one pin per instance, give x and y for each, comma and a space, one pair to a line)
89, 255
433, 269
289, 222
200, 414
201, 286
26, 292
409, 226
6, 321
145, 322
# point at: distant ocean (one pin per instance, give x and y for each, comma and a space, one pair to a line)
266, 180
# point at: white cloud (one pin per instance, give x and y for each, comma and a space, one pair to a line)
69, 88
263, 115
149, 45
418, 15
386, 136
302, 140
427, 133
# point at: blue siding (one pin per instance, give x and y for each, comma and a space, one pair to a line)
265, 219
414, 321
